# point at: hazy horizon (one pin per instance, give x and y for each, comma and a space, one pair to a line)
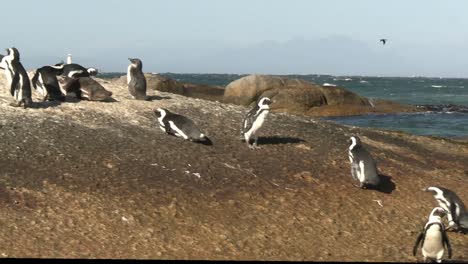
340, 38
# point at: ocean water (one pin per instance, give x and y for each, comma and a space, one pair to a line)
448, 96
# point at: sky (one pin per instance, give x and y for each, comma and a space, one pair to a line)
337, 37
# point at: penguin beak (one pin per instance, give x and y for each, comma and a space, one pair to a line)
424, 189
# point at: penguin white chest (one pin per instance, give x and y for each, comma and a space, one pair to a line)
361, 171
258, 123
178, 131
433, 244
129, 75
41, 86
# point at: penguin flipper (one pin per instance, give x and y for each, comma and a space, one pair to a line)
167, 126
34, 79
418, 241
14, 82
447, 244
355, 171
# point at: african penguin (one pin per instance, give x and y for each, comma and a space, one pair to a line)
74, 70
254, 120
17, 78
178, 125
136, 80
45, 81
433, 238
85, 88
457, 214
363, 166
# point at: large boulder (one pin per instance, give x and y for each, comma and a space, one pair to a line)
163, 84
248, 89
289, 95
303, 97
160, 83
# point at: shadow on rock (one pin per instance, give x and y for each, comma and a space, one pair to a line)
386, 185
155, 97
109, 100
206, 142
45, 104
276, 140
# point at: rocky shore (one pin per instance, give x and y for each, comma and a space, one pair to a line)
100, 180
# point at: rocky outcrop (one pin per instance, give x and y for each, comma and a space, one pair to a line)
160, 83
303, 97
101, 180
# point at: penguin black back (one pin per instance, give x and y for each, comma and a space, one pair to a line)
449, 200
179, 125
74, 70
46, 82
363, 166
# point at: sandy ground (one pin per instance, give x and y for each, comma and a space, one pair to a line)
101, 180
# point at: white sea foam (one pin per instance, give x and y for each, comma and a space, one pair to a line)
438, 86
329, 84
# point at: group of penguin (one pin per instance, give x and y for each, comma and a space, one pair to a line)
433, 238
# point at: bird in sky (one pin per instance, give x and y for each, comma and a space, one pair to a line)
383, 41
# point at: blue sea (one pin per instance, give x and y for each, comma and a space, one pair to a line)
447, 96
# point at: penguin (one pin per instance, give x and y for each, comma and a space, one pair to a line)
136, 80
85, 88
74, 70
254, 120
433, 238
363, 166
17, 78
179, 126
457, 214
45, 81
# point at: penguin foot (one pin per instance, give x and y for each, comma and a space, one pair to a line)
361, 186
254, 147
15, 104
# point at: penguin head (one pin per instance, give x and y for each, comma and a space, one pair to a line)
264, 103
355, 141
438, 212
92, 71
160, 112
13, 52
433, 189
136, 63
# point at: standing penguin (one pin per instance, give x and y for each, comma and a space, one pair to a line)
179, 126
136, 80
363, 166
45, 81
457, 214
433, 237
17, 78
254, 120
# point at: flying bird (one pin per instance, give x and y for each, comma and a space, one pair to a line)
383, 41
